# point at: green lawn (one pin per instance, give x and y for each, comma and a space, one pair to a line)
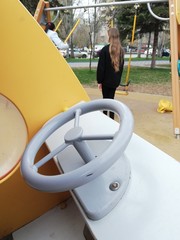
126, 59
138, 75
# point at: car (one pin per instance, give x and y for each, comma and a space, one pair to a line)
150, 52
78, 53
165, 53
84, 54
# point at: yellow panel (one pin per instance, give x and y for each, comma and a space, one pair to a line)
178, 11
34, 75
37, 79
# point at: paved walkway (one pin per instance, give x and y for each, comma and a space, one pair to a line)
133, 63
156, 128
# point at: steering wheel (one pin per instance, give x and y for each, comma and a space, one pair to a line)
94, 165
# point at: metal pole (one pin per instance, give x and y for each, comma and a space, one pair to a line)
58, 25
132, 41
78, 21
105, 4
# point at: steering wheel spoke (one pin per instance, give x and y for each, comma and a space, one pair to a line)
98, 137
77, 117
52, 154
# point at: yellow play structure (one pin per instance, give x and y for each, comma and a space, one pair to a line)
36, 83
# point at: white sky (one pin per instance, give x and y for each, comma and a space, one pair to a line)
82, 11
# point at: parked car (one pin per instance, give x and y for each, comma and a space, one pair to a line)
150, 51
165, 53
78, 53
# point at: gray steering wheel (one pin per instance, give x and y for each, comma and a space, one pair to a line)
93, 166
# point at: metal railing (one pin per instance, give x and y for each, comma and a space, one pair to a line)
106, 4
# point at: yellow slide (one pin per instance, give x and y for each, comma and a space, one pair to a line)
36, 83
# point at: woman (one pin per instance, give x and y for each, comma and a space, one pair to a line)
110, 66
49, 29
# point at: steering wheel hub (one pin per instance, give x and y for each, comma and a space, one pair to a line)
73, 134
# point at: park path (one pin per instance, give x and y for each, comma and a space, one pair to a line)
133, 63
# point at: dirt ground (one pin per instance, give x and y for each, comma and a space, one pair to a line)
156, 128
157, 89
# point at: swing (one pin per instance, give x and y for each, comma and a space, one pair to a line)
40, 15
127, 81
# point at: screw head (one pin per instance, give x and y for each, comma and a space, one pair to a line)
114, 186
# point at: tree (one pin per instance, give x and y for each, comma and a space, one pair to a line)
151, 24
81, 36
30, 5
146, 23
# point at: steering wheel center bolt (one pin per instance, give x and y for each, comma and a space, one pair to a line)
114, 186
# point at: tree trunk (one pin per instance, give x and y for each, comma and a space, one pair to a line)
91, 46
149, 41
155, 44
139, 45
94, 30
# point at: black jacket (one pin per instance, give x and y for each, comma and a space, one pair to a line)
105, 71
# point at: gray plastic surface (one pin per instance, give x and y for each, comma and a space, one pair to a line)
96, 197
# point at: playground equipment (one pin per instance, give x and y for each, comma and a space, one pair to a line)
42, 17
74, 27
174, 9
127, 81
149, 208
33, 89
174, 16
93, 166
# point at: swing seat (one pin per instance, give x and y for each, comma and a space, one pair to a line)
122, 92
125, 90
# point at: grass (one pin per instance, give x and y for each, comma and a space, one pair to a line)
81, 60
138, 75
85, 76
126, 59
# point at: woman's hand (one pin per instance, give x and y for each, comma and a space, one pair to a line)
100, 86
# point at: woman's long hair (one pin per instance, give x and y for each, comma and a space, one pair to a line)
49, 26
115, 48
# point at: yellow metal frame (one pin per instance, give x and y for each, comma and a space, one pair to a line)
125, 91
132, 42
40, 11
76, 24
58, 25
